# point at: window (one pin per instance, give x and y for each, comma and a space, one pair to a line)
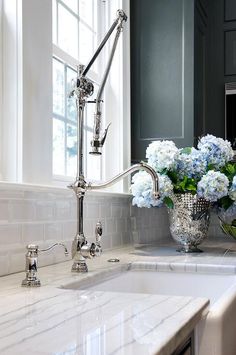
75, 37
32, 107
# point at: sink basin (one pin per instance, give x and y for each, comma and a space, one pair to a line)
211, 286
213, 335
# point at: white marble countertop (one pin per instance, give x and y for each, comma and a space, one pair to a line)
52, 320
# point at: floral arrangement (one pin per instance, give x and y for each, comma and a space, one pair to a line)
207, 171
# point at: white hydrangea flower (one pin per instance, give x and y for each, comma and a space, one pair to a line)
162, 155
213, 186
141, 189
217, 151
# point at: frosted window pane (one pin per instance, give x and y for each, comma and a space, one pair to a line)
72, 4
93, 162
71, 105
86, 11
67, 31
58, 88
85, 44
71, 150
58, 147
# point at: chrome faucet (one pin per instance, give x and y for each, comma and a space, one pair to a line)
81, 248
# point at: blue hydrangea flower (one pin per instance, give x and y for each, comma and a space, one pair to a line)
141, 189
213, 186
232, 191
162, 155
193, 165
216, 151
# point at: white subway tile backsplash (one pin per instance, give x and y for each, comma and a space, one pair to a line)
63, 210
53, 231
10, 234
92, 210
4, 210
89, 227
4, 265
126, 238
69, 230
44, 217
105, 210
17, 261
116, 240
11, 194
110, 225
121, 225
21, 210
116, 210
45, 210
106, 242
32, 232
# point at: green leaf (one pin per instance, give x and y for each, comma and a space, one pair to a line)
210, 167
233, 223
226, 202
173, 176
186, 150
230, 169
168, 202
191, 187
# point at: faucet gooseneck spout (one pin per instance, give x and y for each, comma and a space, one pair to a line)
130, 170
81, 248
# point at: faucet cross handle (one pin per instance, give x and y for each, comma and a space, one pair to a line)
96, 248
98, 233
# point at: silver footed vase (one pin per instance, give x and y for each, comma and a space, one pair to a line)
189, 221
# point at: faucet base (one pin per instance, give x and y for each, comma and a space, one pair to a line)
79, 266
31, 283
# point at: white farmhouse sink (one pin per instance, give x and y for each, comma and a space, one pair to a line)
214, 335
166, 283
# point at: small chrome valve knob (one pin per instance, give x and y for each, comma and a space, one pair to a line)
82, 250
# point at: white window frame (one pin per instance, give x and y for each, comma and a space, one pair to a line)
27, 95
72, 62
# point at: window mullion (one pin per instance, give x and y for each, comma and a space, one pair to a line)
78, 32
65, 103
57, 20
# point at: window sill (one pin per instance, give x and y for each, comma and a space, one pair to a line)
4, 185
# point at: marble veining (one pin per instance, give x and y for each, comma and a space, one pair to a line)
55, 320
81, 322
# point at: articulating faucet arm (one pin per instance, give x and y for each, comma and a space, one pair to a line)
121, 16
97, 142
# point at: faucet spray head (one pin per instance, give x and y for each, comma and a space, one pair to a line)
97, 143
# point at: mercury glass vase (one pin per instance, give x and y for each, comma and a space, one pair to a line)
189, 221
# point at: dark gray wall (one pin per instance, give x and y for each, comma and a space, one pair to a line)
161, 72
200, 63
165, 37
221, 61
